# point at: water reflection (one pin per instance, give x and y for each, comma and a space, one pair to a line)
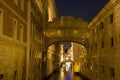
69, 76
65, 73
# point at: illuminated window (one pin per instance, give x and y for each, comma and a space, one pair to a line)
111, 18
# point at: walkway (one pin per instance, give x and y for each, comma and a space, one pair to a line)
62, 74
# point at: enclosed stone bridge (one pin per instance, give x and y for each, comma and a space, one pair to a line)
69, 60
67, 28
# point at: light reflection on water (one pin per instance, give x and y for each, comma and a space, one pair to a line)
64, 74
69, 76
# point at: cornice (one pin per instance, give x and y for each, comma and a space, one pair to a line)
105, 10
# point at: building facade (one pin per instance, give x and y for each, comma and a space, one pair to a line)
13, 39
79, 56
36, 19
105, 43
53, 59
22, 41
23, 52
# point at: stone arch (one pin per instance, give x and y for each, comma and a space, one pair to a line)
84, 42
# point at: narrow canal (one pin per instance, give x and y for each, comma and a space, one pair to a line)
63, 74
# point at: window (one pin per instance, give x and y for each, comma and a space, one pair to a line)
102, 69
102, 44
101, 25
24, 33
20, 32
96, 46
14, 28
1, 21
1, 76
15, 75
111, 18
112, 42
112, 72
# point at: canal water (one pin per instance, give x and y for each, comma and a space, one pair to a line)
63, 74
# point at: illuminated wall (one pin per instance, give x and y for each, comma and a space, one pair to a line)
62, 52
53, 58
79, 55
105, 43
70, 50
52, 10
50, 53
13, 39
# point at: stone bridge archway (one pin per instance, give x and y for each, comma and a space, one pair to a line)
67, 28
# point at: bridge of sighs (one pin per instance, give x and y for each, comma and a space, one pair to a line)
67, 28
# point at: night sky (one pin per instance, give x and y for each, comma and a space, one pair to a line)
85, 9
